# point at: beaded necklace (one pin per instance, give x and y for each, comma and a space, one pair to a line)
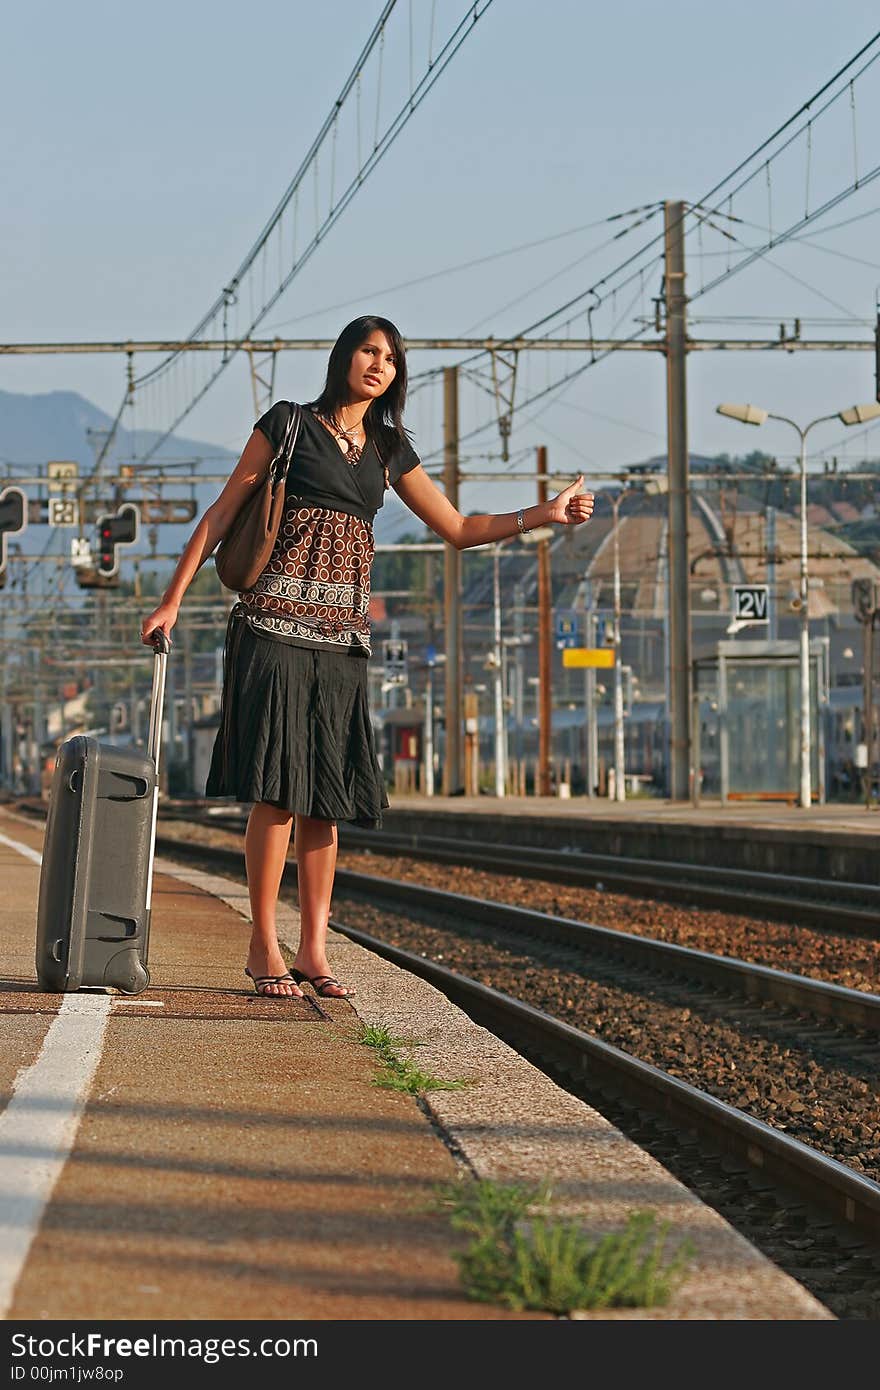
353, 450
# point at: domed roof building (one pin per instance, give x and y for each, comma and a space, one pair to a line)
732, 540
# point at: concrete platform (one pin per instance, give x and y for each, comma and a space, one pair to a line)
228, 1157
837, 842
836, 817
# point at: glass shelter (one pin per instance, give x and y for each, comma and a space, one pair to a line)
746, 721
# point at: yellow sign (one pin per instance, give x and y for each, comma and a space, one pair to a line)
588, 656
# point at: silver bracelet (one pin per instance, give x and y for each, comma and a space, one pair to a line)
521, 524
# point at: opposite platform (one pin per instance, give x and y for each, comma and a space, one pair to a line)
833, 842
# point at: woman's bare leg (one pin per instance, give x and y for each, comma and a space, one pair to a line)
265, 850
316, 844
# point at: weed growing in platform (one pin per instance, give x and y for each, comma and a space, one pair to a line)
399, 1073
484, 1207
402, 1075
381, 1039
522, 1258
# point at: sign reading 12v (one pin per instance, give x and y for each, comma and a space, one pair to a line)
750, 603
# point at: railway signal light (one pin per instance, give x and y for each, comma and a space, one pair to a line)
119, 528
98, 567
865, 598
13, 517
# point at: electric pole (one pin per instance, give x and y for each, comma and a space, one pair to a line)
498, 677
591, 744
452, 763
677, 449
519, 678
619, 747
868, 703
544, 698
428, 787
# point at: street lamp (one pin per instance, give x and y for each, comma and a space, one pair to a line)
498, 682
648, 486
619, 757
432, 659
540, 533
754, 415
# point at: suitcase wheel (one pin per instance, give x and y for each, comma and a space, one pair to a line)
133, 980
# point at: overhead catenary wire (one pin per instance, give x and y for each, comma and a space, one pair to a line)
609, 280
383, 141
463, 266
548, 389
613, 287
809, 216
606, 280
820, 294
542, 284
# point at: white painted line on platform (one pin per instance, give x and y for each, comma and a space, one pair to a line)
26, 850
141, 1003
39, 1125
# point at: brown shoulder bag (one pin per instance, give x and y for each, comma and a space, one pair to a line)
244, 551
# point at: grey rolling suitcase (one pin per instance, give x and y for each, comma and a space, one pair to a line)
93, 918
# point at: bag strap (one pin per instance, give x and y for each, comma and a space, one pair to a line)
288, 444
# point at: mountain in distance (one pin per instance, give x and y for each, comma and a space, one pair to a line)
55, 425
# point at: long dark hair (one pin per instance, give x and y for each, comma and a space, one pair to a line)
383, 418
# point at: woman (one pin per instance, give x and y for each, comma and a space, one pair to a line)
295, 736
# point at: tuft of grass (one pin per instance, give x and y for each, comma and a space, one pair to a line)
484, 1207
381, 1039
404, 1076
522, 1260
399, 1073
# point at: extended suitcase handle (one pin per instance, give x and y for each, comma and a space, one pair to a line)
161, 646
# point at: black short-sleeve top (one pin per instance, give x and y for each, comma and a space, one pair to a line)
315, 588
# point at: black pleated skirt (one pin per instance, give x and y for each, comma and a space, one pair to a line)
295, 730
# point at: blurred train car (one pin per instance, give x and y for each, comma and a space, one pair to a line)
646, 741
645, 746
843, 732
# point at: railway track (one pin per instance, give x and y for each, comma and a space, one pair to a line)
809, 1214
849, 1007
849, 1196
834, 905
852, 1007
812, 1214
831, 904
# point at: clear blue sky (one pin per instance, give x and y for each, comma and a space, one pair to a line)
150, 143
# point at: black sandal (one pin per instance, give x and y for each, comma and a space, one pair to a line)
319, 984
261, 981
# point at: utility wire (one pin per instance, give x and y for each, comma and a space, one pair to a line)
542, 284
382, 143
554, 386
461, 267
744, 164
758, 252
606, 282
835, 304
826, 86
